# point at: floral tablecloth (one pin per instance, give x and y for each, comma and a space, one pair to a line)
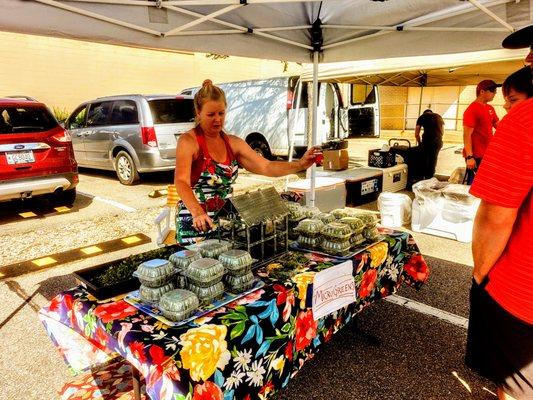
248, 349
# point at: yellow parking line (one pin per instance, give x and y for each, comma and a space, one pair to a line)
91, 250
62, 209
131, 239
41, 262
28, 214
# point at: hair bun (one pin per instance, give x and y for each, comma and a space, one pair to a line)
207, 82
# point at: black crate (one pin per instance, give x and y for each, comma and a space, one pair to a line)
364, 191
381, 159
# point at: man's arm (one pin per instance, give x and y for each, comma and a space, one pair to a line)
417, 134
492, 228
467, 142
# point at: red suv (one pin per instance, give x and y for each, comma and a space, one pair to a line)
36, 154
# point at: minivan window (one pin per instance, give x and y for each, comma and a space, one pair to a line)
17, 119
99, 113
172, 111
124, 112
77, 120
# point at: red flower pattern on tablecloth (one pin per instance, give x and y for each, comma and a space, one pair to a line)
305, 329
109, 312
285, 296
288, 350
417, 268
162, 364
367, 283
137, 349
207, 391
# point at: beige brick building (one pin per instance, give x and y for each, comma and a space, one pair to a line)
63, 72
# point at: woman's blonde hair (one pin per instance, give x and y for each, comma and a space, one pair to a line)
208, 92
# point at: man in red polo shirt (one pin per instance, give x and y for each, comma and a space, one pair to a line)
478, 121
500, 330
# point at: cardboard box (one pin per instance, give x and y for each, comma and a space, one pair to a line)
335, 160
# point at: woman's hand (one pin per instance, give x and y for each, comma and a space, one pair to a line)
309, 157
471, 163
202, 223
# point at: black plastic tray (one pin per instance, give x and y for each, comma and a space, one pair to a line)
86, 276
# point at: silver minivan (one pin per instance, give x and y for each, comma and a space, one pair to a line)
130, 133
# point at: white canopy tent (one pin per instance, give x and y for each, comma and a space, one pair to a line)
289, 30
441, 70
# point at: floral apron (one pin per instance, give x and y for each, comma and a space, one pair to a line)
212, 190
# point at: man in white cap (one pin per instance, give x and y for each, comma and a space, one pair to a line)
500, 327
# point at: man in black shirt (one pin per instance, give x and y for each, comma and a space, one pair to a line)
429, 145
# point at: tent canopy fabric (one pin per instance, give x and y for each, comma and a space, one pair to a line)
442, 70
277, 29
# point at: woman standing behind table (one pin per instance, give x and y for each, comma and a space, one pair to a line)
207, 162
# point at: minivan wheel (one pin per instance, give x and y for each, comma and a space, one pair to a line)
261, 148
125, 168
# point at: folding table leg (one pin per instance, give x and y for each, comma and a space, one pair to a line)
135, 378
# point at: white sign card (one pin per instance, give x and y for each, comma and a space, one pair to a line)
333, 289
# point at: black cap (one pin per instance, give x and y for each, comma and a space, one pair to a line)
519, 39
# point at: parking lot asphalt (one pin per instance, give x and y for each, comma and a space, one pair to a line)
393, 352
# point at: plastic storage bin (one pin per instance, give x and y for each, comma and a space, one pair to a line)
394, 178
443, 209
395, 209
330, 193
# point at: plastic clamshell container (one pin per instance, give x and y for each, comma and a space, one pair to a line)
296, 212
181, 281
236, 262
357, 239
183, 258
337, 248
207, 294
153, 295
239, 284
310, 212
355, 224
213, 248
369, 219
178, 304
341, 213
204, 272
155, 273
309, 242
310, 227
326, 218
337, 232
371, 234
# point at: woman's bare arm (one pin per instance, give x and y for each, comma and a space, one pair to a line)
253, 162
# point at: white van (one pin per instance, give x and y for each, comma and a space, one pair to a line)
267, 112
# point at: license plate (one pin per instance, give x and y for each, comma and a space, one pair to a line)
20, 157
369, 186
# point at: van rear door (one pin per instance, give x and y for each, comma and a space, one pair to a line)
171, 117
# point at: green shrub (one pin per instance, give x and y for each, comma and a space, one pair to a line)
61, 114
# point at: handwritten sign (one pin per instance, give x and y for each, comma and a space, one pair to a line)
333, 289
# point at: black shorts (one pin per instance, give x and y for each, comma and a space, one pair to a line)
499, 345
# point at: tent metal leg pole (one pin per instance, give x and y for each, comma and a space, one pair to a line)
314, 120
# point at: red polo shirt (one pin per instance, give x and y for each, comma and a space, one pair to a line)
505, 178
481, 117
